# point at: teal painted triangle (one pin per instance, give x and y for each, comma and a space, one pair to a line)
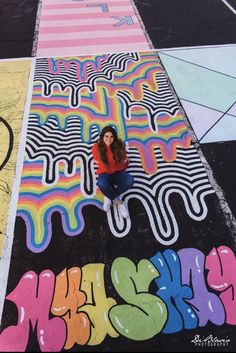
221, 59
200, 85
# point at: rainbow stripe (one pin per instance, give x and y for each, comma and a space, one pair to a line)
38, 202
98, 107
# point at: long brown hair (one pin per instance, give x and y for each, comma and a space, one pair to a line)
117, 146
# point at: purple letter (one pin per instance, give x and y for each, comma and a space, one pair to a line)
206, 304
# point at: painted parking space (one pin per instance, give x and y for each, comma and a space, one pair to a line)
13, 100
204, 79
88, 26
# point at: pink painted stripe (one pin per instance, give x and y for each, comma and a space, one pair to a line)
84, 15
91, 41
85, 10
93, 49
86, 28
88, 35
83, 5
96, 20
52, 2
47, 2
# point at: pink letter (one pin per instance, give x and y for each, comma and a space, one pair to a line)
33, 298
221, 264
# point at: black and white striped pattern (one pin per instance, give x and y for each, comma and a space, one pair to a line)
162, 101
68, 78
53, 145
185, 176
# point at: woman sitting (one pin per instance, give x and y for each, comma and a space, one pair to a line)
110, 154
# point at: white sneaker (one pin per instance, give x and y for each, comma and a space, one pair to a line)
123, 210
106, 204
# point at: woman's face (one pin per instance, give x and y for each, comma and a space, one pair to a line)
108, 138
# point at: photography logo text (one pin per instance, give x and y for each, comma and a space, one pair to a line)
210, 341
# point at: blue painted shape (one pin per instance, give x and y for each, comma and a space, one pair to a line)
173, 293
123, 20
104, 7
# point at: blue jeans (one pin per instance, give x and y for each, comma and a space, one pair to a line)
113, 185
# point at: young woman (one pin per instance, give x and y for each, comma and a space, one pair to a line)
110, 154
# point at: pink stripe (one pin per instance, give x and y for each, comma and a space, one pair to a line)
85, 22
84, 15
90, 35
90, 41
62, 2
82, 5
49, 2
85, 28
95, 49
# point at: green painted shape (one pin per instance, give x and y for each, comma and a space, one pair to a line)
144, 315
200, 85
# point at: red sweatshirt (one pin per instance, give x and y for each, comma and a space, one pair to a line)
112, 166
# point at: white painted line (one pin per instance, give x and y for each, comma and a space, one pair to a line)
229, 6
8, 240
196, 47
16, 59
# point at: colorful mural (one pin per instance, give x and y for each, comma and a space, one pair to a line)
83, 314
13, 87
72, 99
208, 95
69, 27
76, 278
70, 105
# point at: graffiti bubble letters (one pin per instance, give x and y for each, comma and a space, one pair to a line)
142, 309
221, 263
66, 302
33, 296
87, 315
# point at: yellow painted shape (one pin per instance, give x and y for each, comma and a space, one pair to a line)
13, 90
97, 304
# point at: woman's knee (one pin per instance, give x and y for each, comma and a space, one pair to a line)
102, 181
101, 184
130, 180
